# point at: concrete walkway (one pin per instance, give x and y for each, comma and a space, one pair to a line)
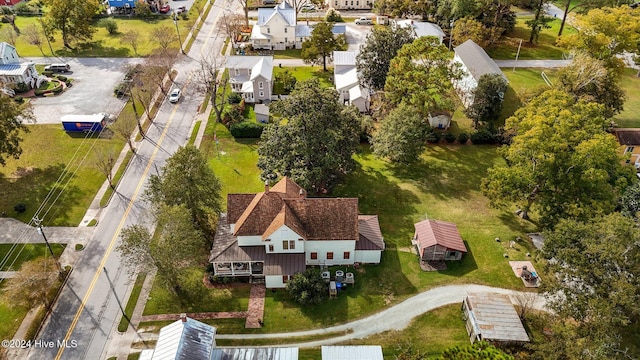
396, 317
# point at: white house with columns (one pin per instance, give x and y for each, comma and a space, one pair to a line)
271, 235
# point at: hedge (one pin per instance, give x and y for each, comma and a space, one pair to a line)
246, 129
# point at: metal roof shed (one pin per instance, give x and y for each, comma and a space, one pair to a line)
255, 354
364, 352
493, 318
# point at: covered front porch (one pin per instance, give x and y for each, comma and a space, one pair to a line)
238, 268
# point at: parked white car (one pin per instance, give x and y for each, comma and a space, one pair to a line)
364, 21
175, 95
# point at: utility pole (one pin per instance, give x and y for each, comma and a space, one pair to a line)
175, 21
38, 223
116, 295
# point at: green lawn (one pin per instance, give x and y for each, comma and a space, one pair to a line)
545, 49
131, 303
104, 44
47, 150
287, 54
308, 72
629, 116
13, 255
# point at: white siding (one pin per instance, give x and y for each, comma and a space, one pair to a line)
250, 240
368, 256
350, 4
466, 85
338, 247
284, 233
274, 281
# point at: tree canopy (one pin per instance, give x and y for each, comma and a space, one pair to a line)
12, 115
487, 100
595, 286
188, 180
314, 142
401, 135
561, 161
479, 350
308, 288
322, 44
73, 18
381, 45
420, 75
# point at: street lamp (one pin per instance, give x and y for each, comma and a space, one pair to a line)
175, 21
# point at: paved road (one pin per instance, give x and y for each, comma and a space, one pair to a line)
396, 317
88, 310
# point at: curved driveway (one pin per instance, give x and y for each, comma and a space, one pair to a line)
396, 317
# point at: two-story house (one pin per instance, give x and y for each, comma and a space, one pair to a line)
345, 75
350, 4
276, 233
13, 71
277, 29
251, 77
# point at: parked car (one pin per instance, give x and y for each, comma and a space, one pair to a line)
57, 67
364, 21
175, 95
164, 9
181, 9
308, 7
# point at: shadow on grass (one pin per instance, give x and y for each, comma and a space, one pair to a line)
460, 268
31, 187
94, 49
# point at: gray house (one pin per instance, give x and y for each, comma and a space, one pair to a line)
438, 241
492, 318
474, 63
251, 77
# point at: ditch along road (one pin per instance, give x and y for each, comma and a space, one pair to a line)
84, 319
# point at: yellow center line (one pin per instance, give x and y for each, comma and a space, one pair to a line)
117, 232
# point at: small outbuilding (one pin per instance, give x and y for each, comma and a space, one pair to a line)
492, 318
362, 352
262, 113
438, 241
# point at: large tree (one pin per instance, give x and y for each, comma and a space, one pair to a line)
213, 82
561, 161
540, 21
12, 114
381, 45
605, 33
176, 245
590, 79
308, 288
322, 44
595, 283
188, 180
420, 75
314, 140
487, 100
72, 18
401, 135
586, 5
32, 283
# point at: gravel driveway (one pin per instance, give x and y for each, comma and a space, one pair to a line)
92, 90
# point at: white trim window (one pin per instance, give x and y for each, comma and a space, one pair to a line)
260, 85
261, 94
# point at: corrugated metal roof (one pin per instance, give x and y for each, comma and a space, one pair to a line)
423, 28
344, 57
283, 10
436, 232
255, 354
264, 68
14, 69
346, 79
339, 29
284, 264
245, 61
261, 109
363, 352
185, 340
476, 60
496, 318
146, 354
303, 31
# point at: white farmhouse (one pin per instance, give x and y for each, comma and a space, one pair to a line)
276, 29
350, 4
276, 233
422, 28
346, 79
475, 63
251, 77
12, 70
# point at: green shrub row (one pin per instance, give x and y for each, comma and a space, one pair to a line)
246, 129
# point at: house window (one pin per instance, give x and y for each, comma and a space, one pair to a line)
451, 254
285, 40
629, 149
346, 3
285, 278
357, 2
292, 243
237, 72
270, 248
346, 255
261, 94
268, 30
336, 3
267, 239
260, 85
628, 161
330, 256
351, 2
285, 31
314, 256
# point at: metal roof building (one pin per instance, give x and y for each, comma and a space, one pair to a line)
364, 352
255, 354
492, 317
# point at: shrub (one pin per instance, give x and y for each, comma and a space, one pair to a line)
121, 89
246, 129
20, 87
483, 136
232, 115
449, 137
6, 10
111, 26
39, 92
18, 99
463, 137
47, 73
20, 208
433, 137
62, 78
26, 8
234, 98
308, 287
333, 15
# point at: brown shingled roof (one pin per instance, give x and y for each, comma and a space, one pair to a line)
628, 136
432, 232
288, 187
370, 234
236, 204
288, 218
327, 218
257, 217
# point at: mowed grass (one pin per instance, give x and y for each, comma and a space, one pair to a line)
544, 49
104, 44
47, 151
12, 256
630, 83
302, 73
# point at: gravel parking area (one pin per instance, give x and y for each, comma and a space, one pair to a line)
92, 90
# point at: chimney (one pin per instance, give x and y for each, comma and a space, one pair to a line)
302, 194
266, 187
183, 317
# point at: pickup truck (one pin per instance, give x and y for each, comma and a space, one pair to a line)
364, 21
